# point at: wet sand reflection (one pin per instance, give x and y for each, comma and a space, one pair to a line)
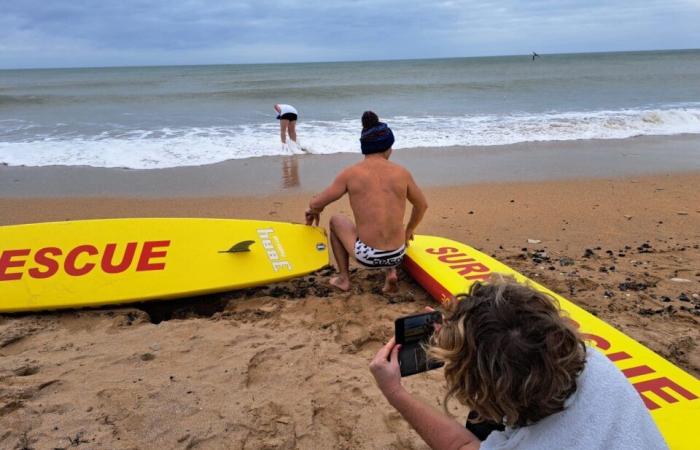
290, 172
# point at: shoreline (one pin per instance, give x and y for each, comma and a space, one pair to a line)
446, 166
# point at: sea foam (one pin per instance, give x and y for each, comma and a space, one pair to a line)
172, 147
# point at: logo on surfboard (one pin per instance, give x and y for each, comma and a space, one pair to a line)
274, 249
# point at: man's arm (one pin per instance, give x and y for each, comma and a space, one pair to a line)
332, 193
420, 205
436, 428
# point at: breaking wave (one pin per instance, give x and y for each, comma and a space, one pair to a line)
171, 147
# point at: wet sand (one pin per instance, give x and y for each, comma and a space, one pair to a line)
530, 161
285, 366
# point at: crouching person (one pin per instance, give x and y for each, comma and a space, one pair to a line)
527, 377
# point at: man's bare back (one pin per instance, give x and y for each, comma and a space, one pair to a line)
378, 191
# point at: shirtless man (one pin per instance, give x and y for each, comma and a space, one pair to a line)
378, 190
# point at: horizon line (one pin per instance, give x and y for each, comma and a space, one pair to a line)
352, 60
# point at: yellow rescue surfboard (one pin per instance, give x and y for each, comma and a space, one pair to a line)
445, 268
98, 262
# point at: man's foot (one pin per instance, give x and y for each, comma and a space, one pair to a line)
391, 283
340, 282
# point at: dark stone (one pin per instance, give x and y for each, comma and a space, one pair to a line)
644, 248
540, 256
565, 261
651, 312
632, 286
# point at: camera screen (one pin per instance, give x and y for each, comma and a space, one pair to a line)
411, 333
418, 328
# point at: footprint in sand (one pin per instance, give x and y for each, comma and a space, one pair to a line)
274, 427
260, 366
25, 371
354, 336
15, 398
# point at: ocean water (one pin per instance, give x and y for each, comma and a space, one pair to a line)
153, 117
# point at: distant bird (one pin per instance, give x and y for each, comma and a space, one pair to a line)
535, 55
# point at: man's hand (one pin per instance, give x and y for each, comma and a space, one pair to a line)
386, 371
409, 236
312, 216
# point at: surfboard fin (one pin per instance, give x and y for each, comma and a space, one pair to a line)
243, 246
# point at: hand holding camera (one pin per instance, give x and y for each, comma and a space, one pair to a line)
385, 368
413, 334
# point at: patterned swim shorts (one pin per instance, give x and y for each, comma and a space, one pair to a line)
371, 257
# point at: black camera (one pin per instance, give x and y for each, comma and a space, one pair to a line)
412, 332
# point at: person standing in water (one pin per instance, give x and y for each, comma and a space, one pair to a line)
378, 191
287, 115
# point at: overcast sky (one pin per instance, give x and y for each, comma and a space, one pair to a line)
79, 33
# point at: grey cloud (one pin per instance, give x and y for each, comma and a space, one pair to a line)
198, 31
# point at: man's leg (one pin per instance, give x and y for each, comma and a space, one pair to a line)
391, 282
293, 130
343, 237
284, 124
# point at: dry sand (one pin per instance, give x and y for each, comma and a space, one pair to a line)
285, 366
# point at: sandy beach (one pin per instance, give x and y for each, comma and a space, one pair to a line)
286, 365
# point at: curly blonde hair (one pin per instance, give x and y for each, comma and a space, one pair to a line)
509, 354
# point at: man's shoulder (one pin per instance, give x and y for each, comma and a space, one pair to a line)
349, 170
398, 168
348, 173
